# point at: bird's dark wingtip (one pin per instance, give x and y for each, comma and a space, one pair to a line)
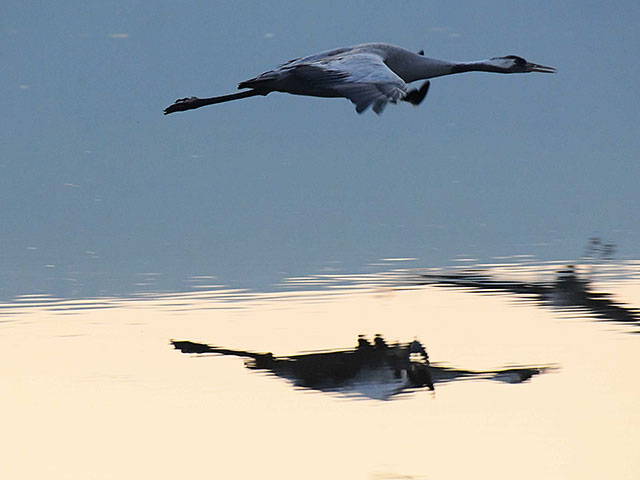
415, 97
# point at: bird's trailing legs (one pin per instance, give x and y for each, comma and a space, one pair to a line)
415, 97
189, 103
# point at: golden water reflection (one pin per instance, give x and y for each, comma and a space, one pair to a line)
93, 389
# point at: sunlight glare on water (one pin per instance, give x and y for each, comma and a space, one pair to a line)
87, 382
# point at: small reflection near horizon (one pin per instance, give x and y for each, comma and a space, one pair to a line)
571, 290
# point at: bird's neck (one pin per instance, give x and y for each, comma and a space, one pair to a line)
477, 66
423, 67
418, 67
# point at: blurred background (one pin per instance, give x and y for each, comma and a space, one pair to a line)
100, 194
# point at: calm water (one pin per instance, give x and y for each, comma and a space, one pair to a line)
530, 374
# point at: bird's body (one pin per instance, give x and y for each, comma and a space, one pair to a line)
370, 74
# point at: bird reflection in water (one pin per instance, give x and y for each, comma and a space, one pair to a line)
568, 291
375, 370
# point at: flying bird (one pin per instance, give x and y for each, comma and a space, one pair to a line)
370, 74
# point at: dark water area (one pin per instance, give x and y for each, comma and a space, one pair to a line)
169, 269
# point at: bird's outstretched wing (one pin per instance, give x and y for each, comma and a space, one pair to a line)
363, 78
316, 56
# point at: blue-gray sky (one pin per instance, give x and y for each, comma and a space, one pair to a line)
98, 186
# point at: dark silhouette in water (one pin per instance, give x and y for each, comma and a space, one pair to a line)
568, 291
375, 370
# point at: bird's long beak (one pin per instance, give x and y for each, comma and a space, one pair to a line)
533, 67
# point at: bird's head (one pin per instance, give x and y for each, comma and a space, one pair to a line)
515, 64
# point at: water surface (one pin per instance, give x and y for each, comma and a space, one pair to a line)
94, 389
